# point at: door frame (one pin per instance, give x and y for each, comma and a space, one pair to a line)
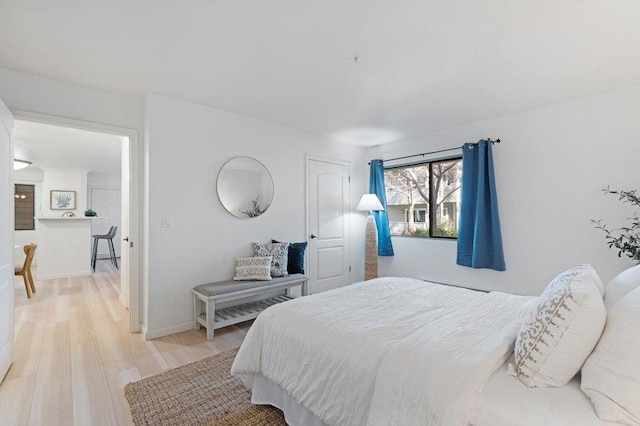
136, 224
307, 227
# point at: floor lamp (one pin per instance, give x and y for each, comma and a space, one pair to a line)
370, 203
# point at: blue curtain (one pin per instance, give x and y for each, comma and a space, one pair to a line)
376, 186
479, 237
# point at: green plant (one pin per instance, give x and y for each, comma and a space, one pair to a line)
446, 228
255, 210
90, 213
420, 232
627, 238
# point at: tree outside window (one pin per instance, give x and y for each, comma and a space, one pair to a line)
423, 200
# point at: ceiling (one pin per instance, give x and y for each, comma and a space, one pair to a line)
51, 146
423, 65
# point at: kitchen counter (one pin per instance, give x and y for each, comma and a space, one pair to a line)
71, 218
64, 246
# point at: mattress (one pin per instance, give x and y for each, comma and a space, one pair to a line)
506, 401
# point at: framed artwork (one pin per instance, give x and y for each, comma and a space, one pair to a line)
63, 200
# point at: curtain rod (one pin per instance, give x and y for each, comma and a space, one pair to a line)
433, 152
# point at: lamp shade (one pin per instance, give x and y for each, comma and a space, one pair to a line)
369, 202
20, 164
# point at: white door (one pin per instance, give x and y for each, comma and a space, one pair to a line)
6, 241
328, 195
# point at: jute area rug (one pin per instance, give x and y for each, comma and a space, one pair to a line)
200, 393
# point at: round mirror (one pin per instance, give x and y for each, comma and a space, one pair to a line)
245, 187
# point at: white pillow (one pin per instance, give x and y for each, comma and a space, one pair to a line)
561, 330
624, 283
253, 268
611, 375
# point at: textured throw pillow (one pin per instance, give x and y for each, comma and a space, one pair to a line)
611, 374
253, 268
295, 263
624, 283
279, 252
561, 330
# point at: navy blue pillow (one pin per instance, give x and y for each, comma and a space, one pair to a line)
296, 257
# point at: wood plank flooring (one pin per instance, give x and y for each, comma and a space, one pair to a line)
73, 353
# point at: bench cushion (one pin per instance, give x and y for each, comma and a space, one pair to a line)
224, 287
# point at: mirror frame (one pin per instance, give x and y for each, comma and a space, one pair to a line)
238, 214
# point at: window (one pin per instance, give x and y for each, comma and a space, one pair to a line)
24, 207
415, 191
420, 215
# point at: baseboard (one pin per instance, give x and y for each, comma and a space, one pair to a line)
154, 334
65, 275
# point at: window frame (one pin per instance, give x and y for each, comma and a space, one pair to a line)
416, 215
431, 218
33, 206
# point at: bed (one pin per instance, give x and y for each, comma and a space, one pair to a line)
505, 401
399, 351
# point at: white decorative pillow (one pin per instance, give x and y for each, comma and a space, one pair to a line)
611, 374
253, 268
561, 329
624, 283
279, 251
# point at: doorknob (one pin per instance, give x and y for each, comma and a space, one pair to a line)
125, 239
313, 236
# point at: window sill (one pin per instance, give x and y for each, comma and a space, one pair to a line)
425, 238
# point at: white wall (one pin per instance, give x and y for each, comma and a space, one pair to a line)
186, 145
27, 92
64, 180
103, 181
550, 169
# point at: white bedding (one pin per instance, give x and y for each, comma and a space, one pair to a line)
505, 401
393, 351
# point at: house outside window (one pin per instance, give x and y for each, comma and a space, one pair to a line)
414, 191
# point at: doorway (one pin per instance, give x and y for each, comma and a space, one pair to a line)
99, 189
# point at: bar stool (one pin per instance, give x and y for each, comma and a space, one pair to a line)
112, 251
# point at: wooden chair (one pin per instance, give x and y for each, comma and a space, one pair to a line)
25, 271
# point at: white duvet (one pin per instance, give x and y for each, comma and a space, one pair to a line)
391, 351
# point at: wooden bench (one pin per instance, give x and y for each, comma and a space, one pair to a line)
206, 296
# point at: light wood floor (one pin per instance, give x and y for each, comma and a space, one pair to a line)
73, 354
